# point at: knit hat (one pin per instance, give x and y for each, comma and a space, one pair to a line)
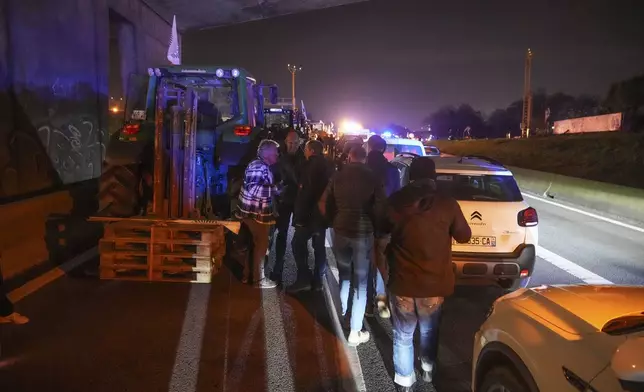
422, 168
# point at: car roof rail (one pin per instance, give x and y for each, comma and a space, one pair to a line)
482, 158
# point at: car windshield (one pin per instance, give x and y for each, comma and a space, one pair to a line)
280, 120
395, 149
217, 102
479, 187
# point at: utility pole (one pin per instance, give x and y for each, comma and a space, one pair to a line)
293, 69
527, 96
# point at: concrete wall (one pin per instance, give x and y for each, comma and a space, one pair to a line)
623, 203
54, 72
54, 67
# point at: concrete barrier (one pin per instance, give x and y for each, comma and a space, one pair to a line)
614, 200
47, 229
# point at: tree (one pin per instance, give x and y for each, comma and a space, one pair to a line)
456, 120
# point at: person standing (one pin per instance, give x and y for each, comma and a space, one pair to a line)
287, 170
307, 219
256, 211
420, 267
355, 199
390, 178
7, 313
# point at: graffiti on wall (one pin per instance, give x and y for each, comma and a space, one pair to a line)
50, 139
75, 147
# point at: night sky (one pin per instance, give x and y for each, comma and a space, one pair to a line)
398, 60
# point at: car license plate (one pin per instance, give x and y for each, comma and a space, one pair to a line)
480, 241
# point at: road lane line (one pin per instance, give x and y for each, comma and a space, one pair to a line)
278, 365
350, 352
570, 267
580, 211
41, 281
185, 372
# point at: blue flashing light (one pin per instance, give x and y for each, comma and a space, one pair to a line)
386, 134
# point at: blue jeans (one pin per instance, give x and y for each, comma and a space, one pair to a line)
406, 313
353, 256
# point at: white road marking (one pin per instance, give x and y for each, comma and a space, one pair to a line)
185, 372
278, 367
570, 267
41, 281
590, 214
350, 352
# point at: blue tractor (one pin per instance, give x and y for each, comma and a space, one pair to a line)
188, 135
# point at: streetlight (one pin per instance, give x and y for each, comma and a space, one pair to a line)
293, 69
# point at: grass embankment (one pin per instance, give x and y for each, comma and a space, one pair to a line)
612, 157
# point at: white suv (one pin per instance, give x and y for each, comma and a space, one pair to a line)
504, 226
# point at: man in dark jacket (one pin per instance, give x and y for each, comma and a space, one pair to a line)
355, 199
287, 172
420, 266
307, 219
390, 178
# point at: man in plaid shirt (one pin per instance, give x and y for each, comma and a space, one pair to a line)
256, 210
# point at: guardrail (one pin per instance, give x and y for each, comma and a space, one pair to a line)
614, 200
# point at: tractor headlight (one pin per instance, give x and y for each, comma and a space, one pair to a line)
219, 73
157, 72
150, 72
235, 73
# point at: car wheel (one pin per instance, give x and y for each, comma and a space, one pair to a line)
502, 379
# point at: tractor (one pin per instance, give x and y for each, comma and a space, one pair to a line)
166, 190
209, 117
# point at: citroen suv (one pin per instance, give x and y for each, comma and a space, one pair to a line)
504, 227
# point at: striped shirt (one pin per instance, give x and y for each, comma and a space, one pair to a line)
256, 196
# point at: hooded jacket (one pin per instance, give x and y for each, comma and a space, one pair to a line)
420, 250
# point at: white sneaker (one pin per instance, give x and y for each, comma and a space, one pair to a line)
383, 310
427, 368
358, 337
14, 318
266, 284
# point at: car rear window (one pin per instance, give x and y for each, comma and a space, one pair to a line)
479, 187
395, 149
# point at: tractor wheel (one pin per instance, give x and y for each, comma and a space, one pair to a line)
119, 192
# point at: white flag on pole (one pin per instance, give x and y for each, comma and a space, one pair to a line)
174, 52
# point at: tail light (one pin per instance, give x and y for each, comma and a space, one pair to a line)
528, 217
242, 130
131, 129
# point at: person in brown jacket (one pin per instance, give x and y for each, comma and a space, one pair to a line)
420, 266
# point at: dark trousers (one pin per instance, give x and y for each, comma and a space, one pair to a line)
301, 253
6, 307
256, 237
281, 225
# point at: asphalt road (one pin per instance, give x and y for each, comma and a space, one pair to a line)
92, 335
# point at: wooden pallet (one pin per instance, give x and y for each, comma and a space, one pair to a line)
158, 251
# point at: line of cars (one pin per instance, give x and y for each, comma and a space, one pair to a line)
540, 339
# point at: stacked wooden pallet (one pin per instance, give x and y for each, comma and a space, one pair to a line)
155, 251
